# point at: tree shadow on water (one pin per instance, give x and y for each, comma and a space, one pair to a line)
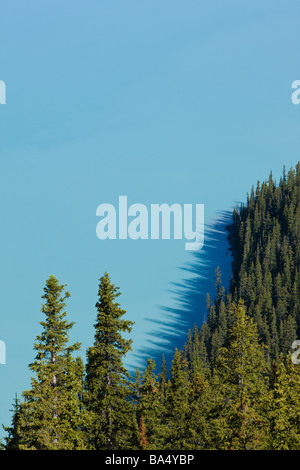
189, 295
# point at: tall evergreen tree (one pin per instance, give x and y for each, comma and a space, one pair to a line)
174, 428
151, 408
241, 377
112, 424
199, 407
50, 417
14, 438
284, 409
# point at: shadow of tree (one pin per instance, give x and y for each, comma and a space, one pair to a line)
189, 295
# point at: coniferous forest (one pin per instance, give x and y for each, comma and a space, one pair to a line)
234, 384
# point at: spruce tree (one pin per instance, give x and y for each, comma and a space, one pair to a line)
14, 438
50, 417
284, 408
199, 407
111, 424
151, 410
240, 381
175, 425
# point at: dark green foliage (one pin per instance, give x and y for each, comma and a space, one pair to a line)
264, 240
14, 438
284, 409
241, 374
265, 244
150, 410
111, 423
176, 404
49, 418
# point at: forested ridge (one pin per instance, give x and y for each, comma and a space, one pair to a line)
232, 386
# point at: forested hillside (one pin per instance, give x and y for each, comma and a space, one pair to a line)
232, 386
265, 242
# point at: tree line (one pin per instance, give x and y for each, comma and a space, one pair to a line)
232, 386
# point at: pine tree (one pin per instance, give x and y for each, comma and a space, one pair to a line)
151, 407
284, 408
240, 375
176, 404
199, 407
14, 438
112, 424
49, 418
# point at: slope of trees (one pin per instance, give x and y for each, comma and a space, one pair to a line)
265, 241
233, 386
